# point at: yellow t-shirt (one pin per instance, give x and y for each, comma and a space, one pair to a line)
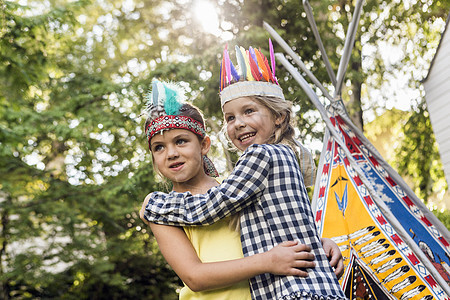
216, 242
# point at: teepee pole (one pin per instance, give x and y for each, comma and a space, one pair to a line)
312, 22
381, 205
303, 84
297, 59
348, 46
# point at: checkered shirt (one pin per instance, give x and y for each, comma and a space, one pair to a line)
267, 186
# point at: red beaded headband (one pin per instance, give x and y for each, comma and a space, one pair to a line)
174, 122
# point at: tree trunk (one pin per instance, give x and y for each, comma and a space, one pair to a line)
4, 286
355, 70
354, 105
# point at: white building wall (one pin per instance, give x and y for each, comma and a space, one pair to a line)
437, 95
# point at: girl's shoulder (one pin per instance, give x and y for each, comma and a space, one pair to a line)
280, 148
271, 150
269, 147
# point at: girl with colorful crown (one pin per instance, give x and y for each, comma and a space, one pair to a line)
208, 259
267, 185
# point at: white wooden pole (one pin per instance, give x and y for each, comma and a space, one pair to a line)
312, 22
348, 46
296, 59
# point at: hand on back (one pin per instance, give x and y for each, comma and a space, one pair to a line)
290, 258
334, 256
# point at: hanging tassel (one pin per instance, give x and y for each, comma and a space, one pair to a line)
241, 62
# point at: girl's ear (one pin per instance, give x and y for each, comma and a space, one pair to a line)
280, 120
205, 145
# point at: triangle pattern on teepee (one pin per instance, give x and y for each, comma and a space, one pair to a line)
358, 282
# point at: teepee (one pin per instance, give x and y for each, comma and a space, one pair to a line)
393, 246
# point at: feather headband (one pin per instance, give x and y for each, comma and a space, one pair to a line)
253, 77
163, 105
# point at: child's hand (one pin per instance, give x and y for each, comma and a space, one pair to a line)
142, 210
334, 256
290, 258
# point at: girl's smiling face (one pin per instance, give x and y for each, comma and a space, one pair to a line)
177, 154
248, 122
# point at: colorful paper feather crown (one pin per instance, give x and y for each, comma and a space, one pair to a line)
254, 76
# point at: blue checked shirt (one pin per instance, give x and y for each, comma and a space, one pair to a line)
267, 187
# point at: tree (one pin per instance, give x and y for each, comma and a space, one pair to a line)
74, 168
418, 140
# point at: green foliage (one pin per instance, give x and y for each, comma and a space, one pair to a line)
418, 155
444, 217
73, 166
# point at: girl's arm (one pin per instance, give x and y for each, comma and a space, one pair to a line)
331, 249
241, 189
284, 259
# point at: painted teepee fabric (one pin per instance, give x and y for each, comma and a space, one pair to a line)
393, 246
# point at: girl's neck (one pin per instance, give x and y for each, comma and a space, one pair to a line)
199, 186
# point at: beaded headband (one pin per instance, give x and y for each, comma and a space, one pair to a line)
163, 106
166, 122
255, 76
